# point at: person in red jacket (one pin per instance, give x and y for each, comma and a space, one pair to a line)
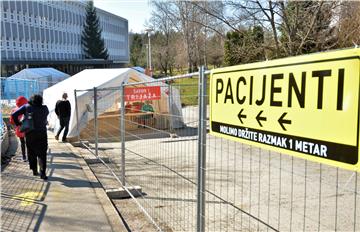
20, 101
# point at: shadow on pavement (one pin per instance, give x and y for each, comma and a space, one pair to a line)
22, 195
74, 183
22, 207
64, 166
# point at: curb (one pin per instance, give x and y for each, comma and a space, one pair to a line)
112, 214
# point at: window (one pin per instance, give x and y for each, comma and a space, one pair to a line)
21, 31
24, 6
14, 30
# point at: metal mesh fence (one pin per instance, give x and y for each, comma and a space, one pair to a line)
259, 190
245, 188
162, 157
13, 88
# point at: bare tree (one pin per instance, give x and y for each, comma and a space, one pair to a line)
193, 25
293, 25
308, 26
348, 24
289, 27
164, 39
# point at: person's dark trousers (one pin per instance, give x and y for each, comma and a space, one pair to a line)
64, 123
23, 147
37, 150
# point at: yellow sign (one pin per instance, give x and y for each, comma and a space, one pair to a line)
306, 106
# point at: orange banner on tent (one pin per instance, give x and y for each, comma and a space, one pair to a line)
142, 93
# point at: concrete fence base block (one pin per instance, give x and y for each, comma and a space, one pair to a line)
119, 193
97, 161
76, 144
79, 144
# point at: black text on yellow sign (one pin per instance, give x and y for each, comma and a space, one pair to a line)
306, 106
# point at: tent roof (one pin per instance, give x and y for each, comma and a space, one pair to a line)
89, 78
40, 72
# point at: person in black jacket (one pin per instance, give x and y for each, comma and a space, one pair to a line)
63, 111
36, 137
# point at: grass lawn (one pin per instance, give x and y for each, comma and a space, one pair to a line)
188, 88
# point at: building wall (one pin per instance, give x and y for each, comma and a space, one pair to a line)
51, 31
116, 35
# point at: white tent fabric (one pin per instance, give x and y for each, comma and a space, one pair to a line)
99, 78
45, 77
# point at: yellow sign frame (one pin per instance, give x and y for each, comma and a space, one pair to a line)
306, 106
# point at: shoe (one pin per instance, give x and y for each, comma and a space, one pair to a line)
24, 159
44, 177
64, 140
56, 137
35, 173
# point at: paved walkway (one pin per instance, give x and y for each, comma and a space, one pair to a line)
71, 199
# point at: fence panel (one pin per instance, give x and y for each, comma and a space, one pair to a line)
13, 88
161, 154
246, 188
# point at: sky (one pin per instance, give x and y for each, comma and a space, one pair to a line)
137, 12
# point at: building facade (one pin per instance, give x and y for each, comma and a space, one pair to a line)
48, 34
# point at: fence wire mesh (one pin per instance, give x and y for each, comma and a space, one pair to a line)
161, 155
246, 188
13, 88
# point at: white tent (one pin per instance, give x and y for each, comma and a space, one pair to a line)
100, 78
45, 77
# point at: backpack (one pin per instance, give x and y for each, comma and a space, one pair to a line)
28, 122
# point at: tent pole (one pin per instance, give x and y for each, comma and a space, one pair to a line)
122, 133
171, 109
77, 116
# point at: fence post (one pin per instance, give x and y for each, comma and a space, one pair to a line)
170, 107
201, 167
122, 133
77, 116
96, 122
